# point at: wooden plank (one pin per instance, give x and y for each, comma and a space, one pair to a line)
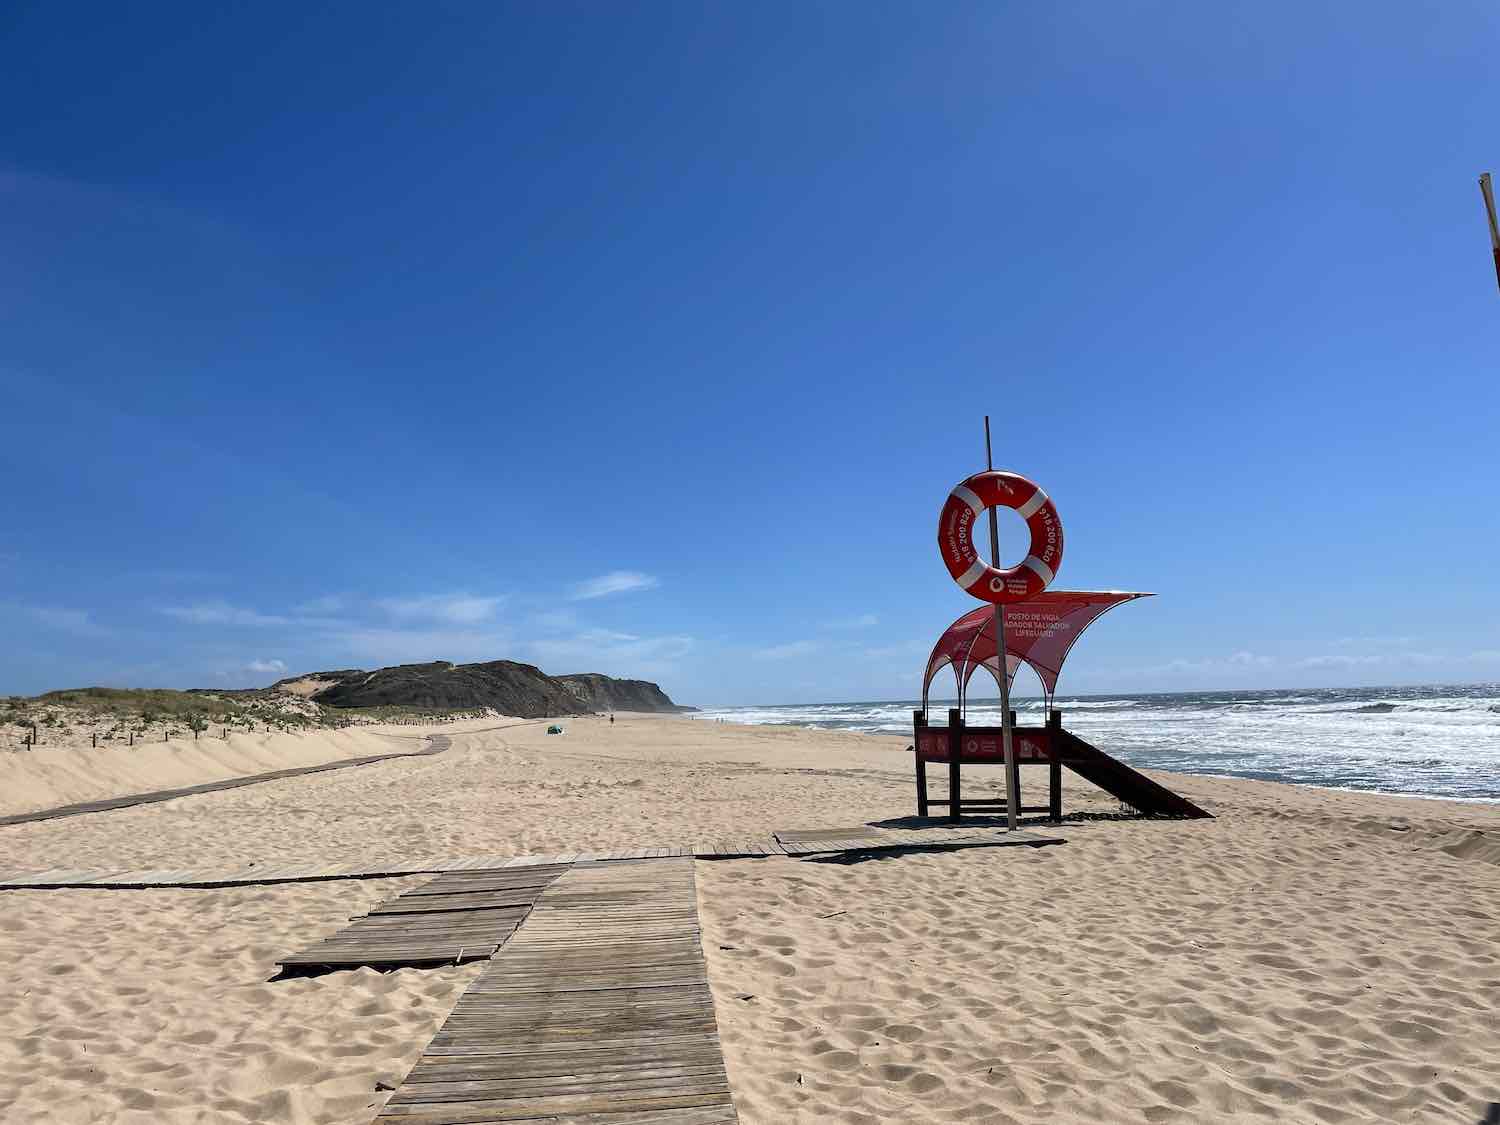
548, 1089
597, 1009
698, 1115
427, 926
477, 900
454, 882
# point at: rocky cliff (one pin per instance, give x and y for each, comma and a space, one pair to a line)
598, 692
504, 685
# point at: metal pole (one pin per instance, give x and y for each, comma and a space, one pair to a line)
1486, 189
1002, 660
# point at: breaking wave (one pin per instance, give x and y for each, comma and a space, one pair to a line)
1441, 741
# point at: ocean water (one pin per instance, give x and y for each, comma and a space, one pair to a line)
1435, 741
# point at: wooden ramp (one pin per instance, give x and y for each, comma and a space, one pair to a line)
1121, 781
597, 1011
436, 744
457, 917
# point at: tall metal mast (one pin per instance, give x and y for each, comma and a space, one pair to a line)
1004, 661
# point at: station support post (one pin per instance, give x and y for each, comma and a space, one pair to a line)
918, 725
955, 741
1054, 768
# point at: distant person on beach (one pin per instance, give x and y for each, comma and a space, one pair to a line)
611, 719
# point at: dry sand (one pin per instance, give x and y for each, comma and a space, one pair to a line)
1307, 957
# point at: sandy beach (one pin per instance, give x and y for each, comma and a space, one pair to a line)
1308, 956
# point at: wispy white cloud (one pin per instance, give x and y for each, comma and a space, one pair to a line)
328, 603
556, 620
616, 654
789, 651
456, 609
1372, 642
1365, 660
1393, 660
863, 621
1243, 659
172, 576
1391, 652
1342, 660
914, 651
369, 647
1240, 661
63, 619
615, 582
605, 637
252, 673
222, 613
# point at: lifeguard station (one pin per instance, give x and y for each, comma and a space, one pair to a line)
1031, 625
1040, 632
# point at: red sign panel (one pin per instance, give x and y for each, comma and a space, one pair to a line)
983, 744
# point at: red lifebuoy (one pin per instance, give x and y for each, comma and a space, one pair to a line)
956, 537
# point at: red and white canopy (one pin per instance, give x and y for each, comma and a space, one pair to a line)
1039, 631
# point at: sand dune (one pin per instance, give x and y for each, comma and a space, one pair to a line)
48, 776
1307, 957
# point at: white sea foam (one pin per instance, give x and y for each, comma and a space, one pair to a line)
1431, 741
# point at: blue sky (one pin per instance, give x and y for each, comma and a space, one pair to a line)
649, 339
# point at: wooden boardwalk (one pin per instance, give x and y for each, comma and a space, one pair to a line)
462, 916
437, 743
818, 840
800, 843
597, 1011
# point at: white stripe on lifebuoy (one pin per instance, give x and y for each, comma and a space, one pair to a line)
968, 497
1043, 571
1028, 509
974, 573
